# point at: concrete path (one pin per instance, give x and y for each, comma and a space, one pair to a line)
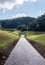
24, 54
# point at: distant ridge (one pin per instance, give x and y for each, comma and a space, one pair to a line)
24, 23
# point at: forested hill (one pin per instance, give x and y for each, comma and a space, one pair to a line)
24, 23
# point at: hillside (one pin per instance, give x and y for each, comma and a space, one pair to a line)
7, 37
24, 23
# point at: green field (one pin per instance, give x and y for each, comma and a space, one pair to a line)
7, 37
36, 36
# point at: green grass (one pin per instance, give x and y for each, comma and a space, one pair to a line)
36, 36
7, 37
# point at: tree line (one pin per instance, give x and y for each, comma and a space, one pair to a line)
24, 23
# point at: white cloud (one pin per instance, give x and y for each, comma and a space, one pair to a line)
19, 15
9, 4
33, 1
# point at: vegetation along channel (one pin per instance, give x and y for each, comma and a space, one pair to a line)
11, 29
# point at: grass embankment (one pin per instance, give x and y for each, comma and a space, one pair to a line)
7, 42
36, 36
7, 37
37, 40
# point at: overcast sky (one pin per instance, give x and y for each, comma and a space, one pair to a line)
21, 8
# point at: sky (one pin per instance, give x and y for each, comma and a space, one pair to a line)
10, 9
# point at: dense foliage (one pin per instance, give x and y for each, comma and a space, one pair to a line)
24, 23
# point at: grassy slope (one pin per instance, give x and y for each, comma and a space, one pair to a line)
7, 37
36, 36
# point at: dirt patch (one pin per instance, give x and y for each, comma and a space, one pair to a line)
40, 48
5, 52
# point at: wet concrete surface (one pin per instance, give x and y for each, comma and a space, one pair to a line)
24, 54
